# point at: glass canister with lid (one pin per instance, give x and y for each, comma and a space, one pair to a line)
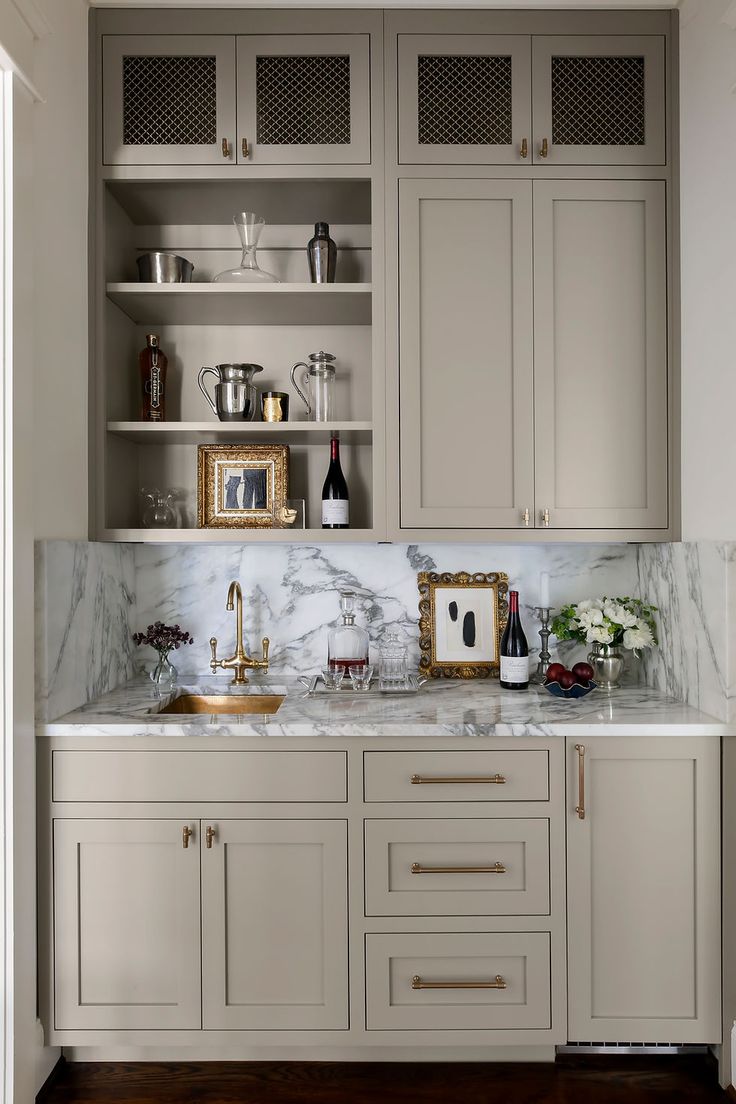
393, 670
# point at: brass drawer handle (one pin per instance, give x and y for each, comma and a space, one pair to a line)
524, 151
544, 148
580, 807
244, 147
225, 148
497, 868
186, 835
210, 835
489, 779
419, 983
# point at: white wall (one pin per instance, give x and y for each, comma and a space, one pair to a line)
708, 175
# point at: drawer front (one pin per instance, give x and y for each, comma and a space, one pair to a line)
457, 867
456, 775
448, 982
199, 776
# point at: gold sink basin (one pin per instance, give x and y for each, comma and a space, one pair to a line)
225, 703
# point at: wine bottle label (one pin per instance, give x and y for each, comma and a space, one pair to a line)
335, 511
514, 668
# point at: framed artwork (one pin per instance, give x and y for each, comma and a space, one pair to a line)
241, 486
461, 621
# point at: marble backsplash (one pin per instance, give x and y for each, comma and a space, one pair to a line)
91, 597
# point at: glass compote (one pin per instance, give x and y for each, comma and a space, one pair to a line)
249, 227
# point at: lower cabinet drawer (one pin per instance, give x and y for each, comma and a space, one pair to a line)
463, 981
199, 776
457, 775
481, 867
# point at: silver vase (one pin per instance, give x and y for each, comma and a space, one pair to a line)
607, 661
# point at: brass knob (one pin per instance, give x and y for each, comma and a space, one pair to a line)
225, 148
525, 516
524, 151
544, 148
210, 835
186, 835
244, 147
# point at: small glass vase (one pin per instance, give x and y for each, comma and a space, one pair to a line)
163, 674
249, 227
608, 662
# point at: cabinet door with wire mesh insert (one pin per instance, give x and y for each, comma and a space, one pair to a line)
303, 99
599, 100
169, 99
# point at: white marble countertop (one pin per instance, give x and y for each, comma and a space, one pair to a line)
477, 708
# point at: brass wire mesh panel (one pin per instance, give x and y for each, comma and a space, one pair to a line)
169, 100
464, 100
303, 100
598, 101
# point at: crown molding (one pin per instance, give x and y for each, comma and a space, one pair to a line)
545, 5
33, 17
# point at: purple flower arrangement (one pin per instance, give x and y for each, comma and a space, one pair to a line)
163, 637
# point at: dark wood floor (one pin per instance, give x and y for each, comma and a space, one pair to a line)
618, 1080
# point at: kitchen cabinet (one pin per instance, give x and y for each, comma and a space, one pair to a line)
185, 99
643, 887
483, 99
533, 327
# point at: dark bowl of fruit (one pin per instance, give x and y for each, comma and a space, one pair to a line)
576, 683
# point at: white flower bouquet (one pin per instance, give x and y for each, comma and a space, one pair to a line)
628, 622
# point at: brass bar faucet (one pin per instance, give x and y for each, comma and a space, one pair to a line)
240, 662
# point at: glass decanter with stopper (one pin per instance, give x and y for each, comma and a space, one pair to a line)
249, 226
347, 644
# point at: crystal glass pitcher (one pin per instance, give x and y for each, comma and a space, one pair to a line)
319, 383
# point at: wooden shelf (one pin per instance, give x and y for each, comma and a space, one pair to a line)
233, 305
195, 433
241, 536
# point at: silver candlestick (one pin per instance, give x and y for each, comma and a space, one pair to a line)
543, 613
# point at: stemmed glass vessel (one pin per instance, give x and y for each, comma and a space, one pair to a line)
249, 227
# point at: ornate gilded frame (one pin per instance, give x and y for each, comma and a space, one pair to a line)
496, 582
213, 460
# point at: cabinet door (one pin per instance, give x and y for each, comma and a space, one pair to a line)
466, 389
274, 917
600, 354
643, 889
168, 99
126, 925
599, 100
303, 99
464, 99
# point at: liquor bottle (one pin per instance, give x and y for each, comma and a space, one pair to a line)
153, 365
514, 650
335, 499
322, 255
347, 643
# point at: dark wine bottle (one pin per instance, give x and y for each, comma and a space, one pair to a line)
514, 650
335, 498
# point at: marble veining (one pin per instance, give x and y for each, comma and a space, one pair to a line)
475, 708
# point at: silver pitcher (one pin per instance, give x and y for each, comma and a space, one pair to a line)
236, 397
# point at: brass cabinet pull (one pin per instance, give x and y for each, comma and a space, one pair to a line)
545, 517
418, 983
225, 148
544, 148
580, 807
492, 779
497, 868
524, 151
526, 516
210, 835
244, 147
186, 835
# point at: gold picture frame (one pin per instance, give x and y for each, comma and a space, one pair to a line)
455, 623
241, 486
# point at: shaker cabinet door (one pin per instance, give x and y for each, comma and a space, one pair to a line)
126, 925
168, 99
464, 99
465, 355
304, 99
600, 351
599, 100
274, 920
644, 889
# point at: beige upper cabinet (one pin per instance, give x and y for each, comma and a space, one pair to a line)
466, 379
218, 99
464, 99
480, 99
643, 885
600, 354
274, 925
599, 100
